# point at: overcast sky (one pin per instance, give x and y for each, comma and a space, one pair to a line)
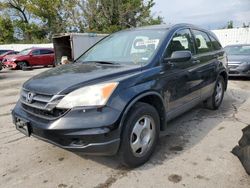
210, 14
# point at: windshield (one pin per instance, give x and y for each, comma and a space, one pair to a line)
25, 52
126, 47
238, 50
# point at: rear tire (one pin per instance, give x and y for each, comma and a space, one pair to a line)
140, 135
214, 102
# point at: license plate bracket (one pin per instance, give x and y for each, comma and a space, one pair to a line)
22, 125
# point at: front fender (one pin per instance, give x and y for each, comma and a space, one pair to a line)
136, 99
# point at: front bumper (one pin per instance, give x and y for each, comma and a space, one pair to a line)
92, 131
239, 70
9, 64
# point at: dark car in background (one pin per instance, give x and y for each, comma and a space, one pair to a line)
3, 51
30, 57
238, 59
120, 94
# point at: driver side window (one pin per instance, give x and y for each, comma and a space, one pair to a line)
36, 52
182, 40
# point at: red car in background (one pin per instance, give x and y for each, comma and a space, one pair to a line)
30, 57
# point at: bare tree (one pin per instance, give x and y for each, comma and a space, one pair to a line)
20, 9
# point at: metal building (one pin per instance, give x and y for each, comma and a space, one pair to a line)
233, 36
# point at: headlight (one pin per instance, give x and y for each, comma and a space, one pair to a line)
95, 95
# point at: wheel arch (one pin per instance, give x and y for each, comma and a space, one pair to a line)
151, 97
17, 61
225, 77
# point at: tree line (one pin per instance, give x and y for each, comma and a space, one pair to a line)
35, 21
230, 25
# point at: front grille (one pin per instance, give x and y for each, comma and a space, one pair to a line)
55, 113
233, 66
233, 72
41, 105
39, 101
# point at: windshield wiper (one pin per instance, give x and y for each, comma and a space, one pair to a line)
104, 62
98, 62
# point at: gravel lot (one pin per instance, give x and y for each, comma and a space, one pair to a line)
195, 153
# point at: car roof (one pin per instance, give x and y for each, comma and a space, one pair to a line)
39, 48
232, 45
2, 50
174, 27
166, 26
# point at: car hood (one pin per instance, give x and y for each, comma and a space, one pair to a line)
238, 58
65, 78
3, 56
9, 57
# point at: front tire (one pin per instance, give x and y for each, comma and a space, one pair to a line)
215, 100
22, 65
140, 135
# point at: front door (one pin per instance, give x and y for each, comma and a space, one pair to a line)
35, 58
180, 79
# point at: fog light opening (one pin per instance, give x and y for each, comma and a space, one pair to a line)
78, 142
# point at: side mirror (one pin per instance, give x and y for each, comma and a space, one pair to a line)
179, 56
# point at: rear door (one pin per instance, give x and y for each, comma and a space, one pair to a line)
207, 59
180, 79
47, 57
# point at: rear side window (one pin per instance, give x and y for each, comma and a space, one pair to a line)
203, 43
182, 40
215, 43
43, 52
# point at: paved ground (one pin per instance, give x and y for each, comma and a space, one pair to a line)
195, 153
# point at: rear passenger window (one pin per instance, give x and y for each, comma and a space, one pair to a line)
203, 43
215, 43
43, 52
182, 40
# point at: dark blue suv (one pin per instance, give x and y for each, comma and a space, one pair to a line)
119, 95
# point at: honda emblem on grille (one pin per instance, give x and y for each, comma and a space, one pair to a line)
29, 97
